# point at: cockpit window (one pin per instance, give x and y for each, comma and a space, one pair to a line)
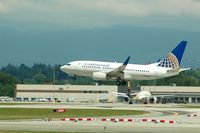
68, 64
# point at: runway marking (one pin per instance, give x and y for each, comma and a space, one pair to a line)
121, 120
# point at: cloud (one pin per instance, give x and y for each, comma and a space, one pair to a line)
91, 13
2, 7
114, 7
133, 7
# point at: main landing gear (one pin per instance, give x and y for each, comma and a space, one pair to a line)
121, 82
74, 77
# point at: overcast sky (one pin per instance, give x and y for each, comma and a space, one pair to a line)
54, 14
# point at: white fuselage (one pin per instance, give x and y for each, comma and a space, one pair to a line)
131, 72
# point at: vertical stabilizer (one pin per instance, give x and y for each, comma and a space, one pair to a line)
179, 51
173, 59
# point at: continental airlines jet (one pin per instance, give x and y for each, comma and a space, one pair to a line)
122, 72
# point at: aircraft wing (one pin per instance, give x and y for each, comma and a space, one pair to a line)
163, 96
120, 94
119, 72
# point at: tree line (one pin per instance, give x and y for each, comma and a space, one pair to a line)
11, 75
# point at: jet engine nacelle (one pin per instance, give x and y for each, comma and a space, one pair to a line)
99, 76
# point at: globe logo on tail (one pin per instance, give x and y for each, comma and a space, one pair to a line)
169, 62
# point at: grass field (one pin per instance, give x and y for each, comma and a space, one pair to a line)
21, 103
191, 106
35, 113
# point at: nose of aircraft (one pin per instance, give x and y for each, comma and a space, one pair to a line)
62, 68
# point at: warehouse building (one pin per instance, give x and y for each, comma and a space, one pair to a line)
174, 94
65, 93
102, 93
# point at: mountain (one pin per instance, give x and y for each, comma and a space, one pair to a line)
116, 43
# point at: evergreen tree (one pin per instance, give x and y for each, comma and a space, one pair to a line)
7, 84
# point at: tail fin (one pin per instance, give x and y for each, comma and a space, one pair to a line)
173, 59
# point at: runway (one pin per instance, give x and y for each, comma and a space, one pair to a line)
157, 112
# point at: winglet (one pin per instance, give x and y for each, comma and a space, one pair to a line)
127, 60
119, 71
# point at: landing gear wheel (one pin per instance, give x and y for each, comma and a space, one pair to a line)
124, 82
74, 77
130, 102
118, 82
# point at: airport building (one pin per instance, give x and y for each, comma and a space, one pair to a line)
174, 94
65, 93
102, 93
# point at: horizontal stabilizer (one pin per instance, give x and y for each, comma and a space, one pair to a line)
184, 69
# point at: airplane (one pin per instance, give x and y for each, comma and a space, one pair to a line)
134, 95
140, 95
123, 72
